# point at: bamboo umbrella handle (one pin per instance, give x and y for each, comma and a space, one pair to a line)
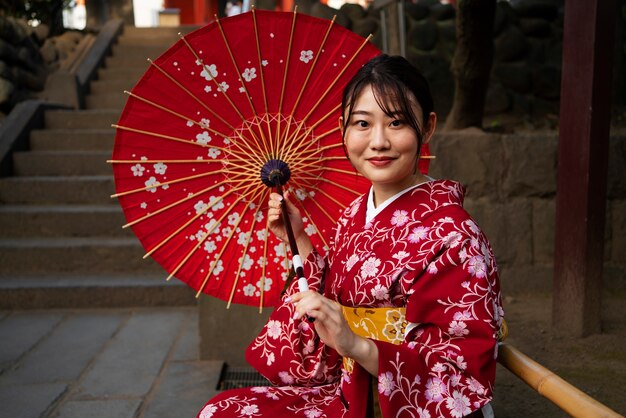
567, 397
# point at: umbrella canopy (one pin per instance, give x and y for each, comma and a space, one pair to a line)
239, 96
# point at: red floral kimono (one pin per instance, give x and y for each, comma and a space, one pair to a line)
422, 252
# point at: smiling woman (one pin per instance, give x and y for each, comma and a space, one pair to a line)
408, 293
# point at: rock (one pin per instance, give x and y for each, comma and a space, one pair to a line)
366, 26
6, 89
27, 79
41, 33
417, 11
265, 4
326, 12
441, 11
48, 52
353, 11
497, 99
505, 16
536, 8
515, 76
424, 35
535, 27
547, 82
511, 45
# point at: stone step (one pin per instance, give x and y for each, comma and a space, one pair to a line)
64, 163
111, 86
112, 100
94, 190
132, 74
72, 139
128, 60
35, 256
153, 36
147, 51
31, 221
81, 119
92, 291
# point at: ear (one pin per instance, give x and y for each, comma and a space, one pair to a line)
430, 128
340, 121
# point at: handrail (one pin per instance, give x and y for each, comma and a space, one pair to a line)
15, 129
71, 87
567, 397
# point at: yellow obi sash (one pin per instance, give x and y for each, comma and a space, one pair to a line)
382, 324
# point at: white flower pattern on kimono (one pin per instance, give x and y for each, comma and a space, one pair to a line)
385, 383
458, 404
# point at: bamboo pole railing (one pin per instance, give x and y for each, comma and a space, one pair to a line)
567, 397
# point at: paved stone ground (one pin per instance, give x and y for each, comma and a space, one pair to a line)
103, 363
143, 363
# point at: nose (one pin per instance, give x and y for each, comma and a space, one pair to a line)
378, 139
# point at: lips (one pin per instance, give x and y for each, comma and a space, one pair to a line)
380, 161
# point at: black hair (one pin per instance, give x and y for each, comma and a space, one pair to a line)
396, 85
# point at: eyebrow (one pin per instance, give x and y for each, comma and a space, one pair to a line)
366, 113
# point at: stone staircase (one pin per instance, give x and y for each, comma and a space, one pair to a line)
61, 241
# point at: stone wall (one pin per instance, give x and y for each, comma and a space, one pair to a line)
511, 183
27, 56
525, 79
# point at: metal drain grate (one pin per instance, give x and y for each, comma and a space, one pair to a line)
241, 377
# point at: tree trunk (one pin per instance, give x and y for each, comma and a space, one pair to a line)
471, 64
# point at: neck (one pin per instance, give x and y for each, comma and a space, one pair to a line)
383, 192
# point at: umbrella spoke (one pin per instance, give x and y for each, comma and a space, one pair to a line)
243, 253
193, 96
279, 138
261, 72
200, 242
332, 84
242, 156
154, 186
312, 220
219, 88
165, 109
178, 202
251, 192
189, 222
309, 180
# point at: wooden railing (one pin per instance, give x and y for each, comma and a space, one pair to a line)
567, 397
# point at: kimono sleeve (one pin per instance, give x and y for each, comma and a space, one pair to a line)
446, 365
289, 352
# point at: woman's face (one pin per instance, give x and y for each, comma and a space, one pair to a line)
382, 148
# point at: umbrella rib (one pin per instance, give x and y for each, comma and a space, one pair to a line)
186, 224
308, 214
262, 280
260, 62
343, 70
243, 156
319, 52
321, 207
341, 186
165, 109
258, 49
160, 161
159, 184
285, 73
245, 250
193, 96
173, 80
195, 248
301, 141
176, 203
309, 144
206, 278
244, 120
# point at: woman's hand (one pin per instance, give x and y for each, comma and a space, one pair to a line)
276, 225
333, 330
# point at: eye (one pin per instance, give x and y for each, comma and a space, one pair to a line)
397, 123
361, 123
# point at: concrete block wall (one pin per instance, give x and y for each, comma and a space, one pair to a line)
511, 189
